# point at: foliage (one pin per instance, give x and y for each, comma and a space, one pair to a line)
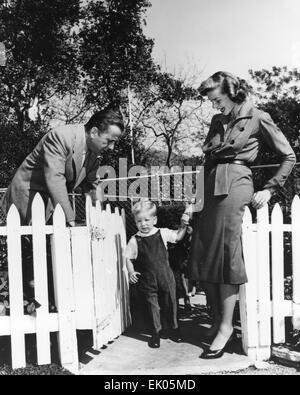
278, 92
67, 57
40, 52
169, 114
114, 49
40, 46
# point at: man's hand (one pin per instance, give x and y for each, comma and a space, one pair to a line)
133, 277
261, 198
71, 224
96, 194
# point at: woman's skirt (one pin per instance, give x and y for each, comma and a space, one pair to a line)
216, 254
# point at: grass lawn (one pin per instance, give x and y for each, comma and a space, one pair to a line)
273, 370
55, 370
32, 368
47, 370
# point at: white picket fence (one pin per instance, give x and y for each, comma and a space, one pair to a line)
90, 282
263, 306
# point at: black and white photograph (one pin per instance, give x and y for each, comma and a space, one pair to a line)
149, 190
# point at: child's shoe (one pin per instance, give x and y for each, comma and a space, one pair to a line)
154, 342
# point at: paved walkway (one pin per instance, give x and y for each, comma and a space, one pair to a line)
130, 354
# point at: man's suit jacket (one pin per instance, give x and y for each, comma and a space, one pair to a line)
54, 168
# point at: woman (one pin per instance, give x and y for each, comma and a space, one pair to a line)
233, 143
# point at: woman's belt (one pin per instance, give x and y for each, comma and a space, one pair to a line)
215, 162
221, 176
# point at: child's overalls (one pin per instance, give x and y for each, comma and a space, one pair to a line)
156, 283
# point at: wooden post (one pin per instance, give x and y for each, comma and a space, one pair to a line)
248, 292
14, 257
278, 276
82, 277
99, 279
125, 280
296, 261
41, 280
263, 279
64, 295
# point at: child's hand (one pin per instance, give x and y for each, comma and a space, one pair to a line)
185, 219
189, 230
133, 277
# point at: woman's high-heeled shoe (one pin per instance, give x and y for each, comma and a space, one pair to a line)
215, 354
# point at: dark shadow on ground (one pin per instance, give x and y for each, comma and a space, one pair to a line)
193, 325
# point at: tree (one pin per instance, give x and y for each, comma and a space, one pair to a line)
169, 117
69, 58
39, 40
114, 50
41, 62
277, 92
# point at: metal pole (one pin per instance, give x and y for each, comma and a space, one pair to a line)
269, 166
131, 124
130, 115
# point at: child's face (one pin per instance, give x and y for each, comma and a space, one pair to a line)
145, 221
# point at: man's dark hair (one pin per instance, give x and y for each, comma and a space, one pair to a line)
102, 119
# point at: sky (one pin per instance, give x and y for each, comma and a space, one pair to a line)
231, 35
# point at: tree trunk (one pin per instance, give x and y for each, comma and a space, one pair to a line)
168, 161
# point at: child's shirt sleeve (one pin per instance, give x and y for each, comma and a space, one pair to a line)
131, 249
168, 235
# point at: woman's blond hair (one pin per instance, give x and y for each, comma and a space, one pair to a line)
236, 88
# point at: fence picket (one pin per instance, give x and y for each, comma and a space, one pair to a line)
64, 296
296, 261
126, 318
99, 279
108, 209
263, 265
248, 292
82, 277
110, 262
40, 280
123, 217
278, 276
88, 208
14, 257
117, 273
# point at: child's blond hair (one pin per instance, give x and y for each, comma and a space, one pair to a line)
144, 205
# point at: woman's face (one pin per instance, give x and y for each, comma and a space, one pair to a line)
221, 101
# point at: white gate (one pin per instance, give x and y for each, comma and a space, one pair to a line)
90, 282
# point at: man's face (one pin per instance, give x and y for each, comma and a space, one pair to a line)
98, 142
220, 101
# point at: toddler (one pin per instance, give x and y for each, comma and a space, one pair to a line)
148, 267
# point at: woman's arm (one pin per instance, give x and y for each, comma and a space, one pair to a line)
278, 143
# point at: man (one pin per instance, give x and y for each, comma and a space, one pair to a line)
64, 160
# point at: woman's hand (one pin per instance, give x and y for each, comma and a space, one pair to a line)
133, 277
261, 198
